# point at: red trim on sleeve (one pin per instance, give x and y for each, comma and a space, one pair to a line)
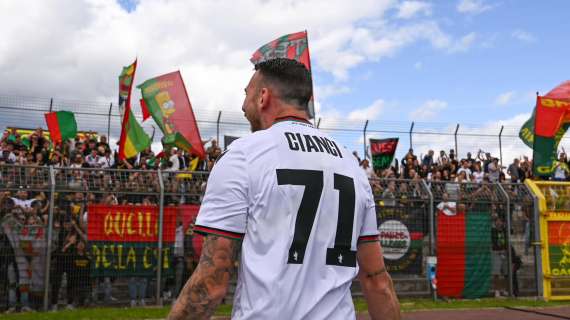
228, 234
368, 238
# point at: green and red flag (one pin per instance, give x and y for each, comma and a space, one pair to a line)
61, 125
464, 254
383, 151
167, 101
125, 85
545, 148
552, 115
294, 46
526, 133
133, 138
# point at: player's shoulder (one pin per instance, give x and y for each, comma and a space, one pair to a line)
249, 145
251, 141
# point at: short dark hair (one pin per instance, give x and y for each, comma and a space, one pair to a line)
290, 78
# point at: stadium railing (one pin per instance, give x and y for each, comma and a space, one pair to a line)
82, 237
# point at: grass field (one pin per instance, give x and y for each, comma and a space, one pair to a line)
225, 310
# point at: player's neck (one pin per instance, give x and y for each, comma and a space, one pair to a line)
291, 114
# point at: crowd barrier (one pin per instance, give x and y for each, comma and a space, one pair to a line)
74, 237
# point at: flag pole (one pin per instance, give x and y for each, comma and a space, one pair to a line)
109, 122
311, 72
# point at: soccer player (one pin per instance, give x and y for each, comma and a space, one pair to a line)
296, 209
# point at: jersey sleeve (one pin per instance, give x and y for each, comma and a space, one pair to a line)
369, 231
224, 208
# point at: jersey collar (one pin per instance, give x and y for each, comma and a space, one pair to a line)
291, 118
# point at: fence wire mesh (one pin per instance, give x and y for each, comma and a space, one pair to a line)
104, 231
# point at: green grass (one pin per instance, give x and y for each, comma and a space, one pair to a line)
225, 310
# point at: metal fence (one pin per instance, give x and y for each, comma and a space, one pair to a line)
59, 228
103, 117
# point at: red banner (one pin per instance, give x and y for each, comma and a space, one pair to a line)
550, 114
127, 223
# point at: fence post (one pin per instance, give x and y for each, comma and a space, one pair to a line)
109, 122
160, 235
218, 126
509, 253
501, 145
49, 237
537, 245
455, 134
319, 123
364, 142
50, 104
411, 131
431, 230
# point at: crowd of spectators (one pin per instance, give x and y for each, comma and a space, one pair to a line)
81, 181
88, 150
79, 175
450, 168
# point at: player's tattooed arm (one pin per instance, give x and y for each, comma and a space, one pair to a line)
208, 285
376, 283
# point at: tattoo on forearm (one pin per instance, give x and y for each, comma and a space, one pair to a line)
206, 288
376, 273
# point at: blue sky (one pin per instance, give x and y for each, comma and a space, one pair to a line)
518, 48
437, 63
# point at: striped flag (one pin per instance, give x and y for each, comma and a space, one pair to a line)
61, 125
133, 138
294, 46
464, 254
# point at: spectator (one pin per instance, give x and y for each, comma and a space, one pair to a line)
465, 167
106, 161
104, 144
449, 208
428, 159
499, 257
513, 171
80, 265
389, 195
173, 161
561, 168
213, 150
477, 173
92, 159
442, 159
494, 170
368, 170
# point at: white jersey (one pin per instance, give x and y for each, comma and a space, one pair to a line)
301, 204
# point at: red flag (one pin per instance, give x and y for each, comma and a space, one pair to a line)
550, 115
561, 92
144, 110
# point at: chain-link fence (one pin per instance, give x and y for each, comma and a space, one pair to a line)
73, 237
103, 118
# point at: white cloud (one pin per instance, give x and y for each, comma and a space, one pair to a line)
523, 36
409, 9
428, 110
505, 98
369, 113
326, 91
473, 6
81, 45
463, 44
